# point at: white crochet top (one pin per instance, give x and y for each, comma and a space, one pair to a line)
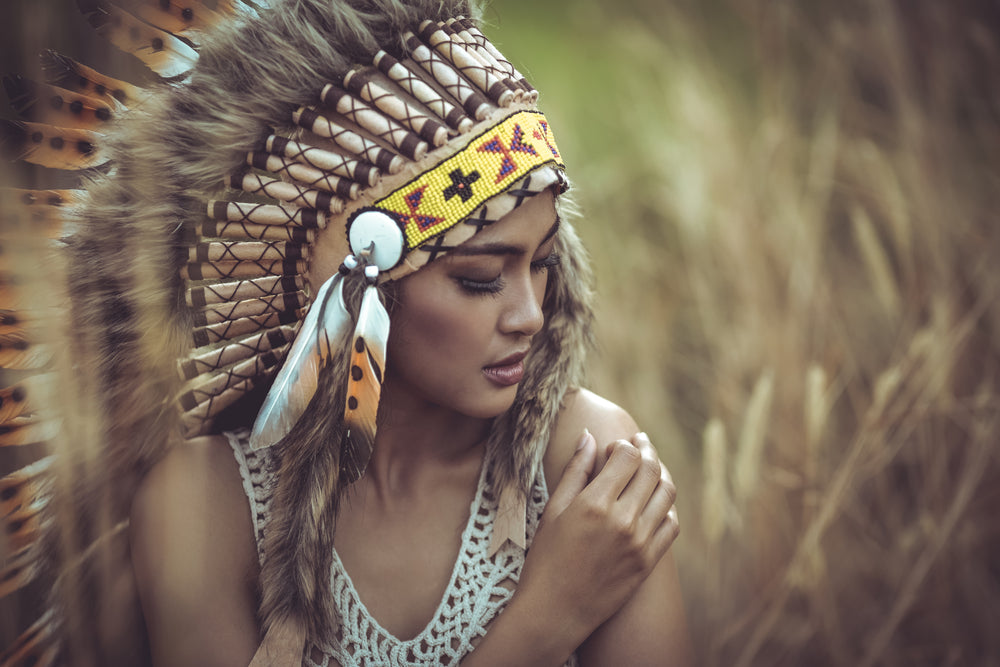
479, 588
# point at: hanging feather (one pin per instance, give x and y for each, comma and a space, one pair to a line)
227, 7
44, 103
12, 402
26, 486
20, 569
18, 353
71, 75
179, 18
35, 215
364, 384
49, 146
324, 325
160, 51
34, 647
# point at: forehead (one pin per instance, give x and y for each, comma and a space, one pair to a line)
528, 223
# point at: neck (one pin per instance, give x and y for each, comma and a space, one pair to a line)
415, 435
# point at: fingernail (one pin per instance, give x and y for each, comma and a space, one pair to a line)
583, 440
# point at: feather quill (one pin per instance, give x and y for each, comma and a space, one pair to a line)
324, 325
364, 385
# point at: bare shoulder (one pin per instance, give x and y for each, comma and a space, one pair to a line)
194, 491
583, 409
193, 554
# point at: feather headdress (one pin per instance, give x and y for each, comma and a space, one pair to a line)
190, 270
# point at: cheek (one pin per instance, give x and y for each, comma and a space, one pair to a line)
434, 332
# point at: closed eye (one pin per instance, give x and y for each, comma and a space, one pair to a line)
553, 259
494, 286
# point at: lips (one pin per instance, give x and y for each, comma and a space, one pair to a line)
508, 371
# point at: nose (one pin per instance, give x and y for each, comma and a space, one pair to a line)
522, 313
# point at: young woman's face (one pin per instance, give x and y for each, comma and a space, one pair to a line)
464, 323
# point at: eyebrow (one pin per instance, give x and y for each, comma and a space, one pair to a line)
502, 248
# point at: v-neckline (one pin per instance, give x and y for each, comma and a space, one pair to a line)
338, 569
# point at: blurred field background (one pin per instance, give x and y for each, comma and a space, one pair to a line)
792, 209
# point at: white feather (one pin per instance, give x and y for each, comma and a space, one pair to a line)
296, 381
373, 324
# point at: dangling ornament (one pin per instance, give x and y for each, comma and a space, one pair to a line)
296, 383
378, 240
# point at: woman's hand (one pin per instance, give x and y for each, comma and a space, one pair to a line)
600, 536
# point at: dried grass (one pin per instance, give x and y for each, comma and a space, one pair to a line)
792, 210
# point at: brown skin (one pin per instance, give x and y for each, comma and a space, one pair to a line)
399, 529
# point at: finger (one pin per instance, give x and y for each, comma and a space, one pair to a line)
665, 534
644, 482
642, 441
575, 475
656, 511
617, 472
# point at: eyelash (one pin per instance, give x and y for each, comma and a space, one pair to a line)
496, 285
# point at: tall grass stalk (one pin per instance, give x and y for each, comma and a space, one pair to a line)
792, 209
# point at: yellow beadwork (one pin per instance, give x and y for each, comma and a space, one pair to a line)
489, 165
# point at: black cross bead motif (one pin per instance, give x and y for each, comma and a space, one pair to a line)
461, 185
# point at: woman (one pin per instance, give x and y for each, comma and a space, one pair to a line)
599, 552
373, 439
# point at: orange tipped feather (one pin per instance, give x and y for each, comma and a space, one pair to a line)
50, 146
177, 17
71, 75
364, 385
44, 103
160, 51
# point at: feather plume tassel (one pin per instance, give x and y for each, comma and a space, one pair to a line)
364, 384
323, 327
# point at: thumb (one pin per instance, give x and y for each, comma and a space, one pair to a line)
575, 476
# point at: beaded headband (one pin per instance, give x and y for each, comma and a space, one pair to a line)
408, 117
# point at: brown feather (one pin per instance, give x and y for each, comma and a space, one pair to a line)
18, 353
45, 103
25, 485
50, 146
35, 215
178, 18
20, 569
27, 431
364, 385
160, 51
72, 75
13, 402
21, 527
34, 647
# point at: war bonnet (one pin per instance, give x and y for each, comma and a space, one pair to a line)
358, 139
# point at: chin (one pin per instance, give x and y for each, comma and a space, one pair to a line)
489, 409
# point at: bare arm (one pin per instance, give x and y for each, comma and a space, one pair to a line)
596, 576
651, 627
194, 558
